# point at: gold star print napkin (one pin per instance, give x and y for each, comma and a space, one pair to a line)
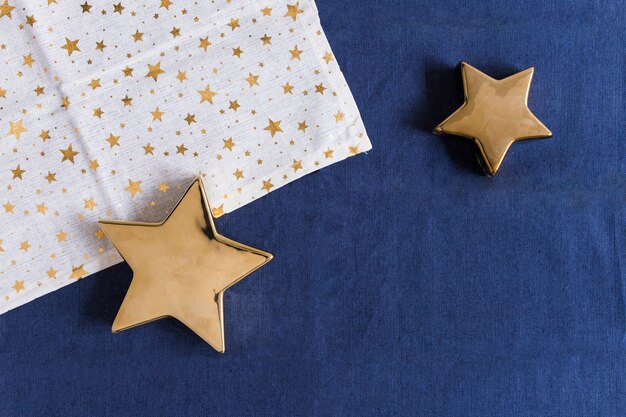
109, 109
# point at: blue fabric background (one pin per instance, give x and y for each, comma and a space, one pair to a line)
405, 282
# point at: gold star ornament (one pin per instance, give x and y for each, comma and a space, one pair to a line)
181, 268
495, 114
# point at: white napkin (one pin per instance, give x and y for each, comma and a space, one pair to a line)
109, 110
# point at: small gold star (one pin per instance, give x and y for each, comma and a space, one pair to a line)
24, 246
252, 79
207, 94
293, 10
78, 272
328, 57
71, 46
52, 273
267, 185
165, 4
238, 174
95, 83
267, 40
181, 149
353, 150
339, 116
296, 165
191, 118
181, 76
228, 144
328, 153
157, 115
163, 187
30, 20
61, 236
118, 8
89, 204
39, 90
65, 102
267, 11
86, 7
137, 36
50, 177
113, 140
295, 53
68, 154
28, 60
100, 46
97, 112
154, 71
133, 188
288, 88
204, 43
18, 286
273, 127
302, 126
16, 129
234, 105
8, 207
234, 23
93, 164
237, 52
128, 101
128, 71
17, 172
320, 88
148, 149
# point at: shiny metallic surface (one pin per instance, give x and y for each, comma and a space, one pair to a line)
181, 268
495, 114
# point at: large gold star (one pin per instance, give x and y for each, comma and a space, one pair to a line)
71, 46
495, 114
181, 268
154, 71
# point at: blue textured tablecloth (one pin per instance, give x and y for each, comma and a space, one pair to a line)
405, 282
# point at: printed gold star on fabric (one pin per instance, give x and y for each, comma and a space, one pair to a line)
6, 9
181, 268
495, 114
71, 46
17, 173
293, 10
207, 94
17, 128
204, 43
134, 187
68, 154
273, 127
154, 71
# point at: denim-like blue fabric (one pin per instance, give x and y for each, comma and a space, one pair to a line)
405, 282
